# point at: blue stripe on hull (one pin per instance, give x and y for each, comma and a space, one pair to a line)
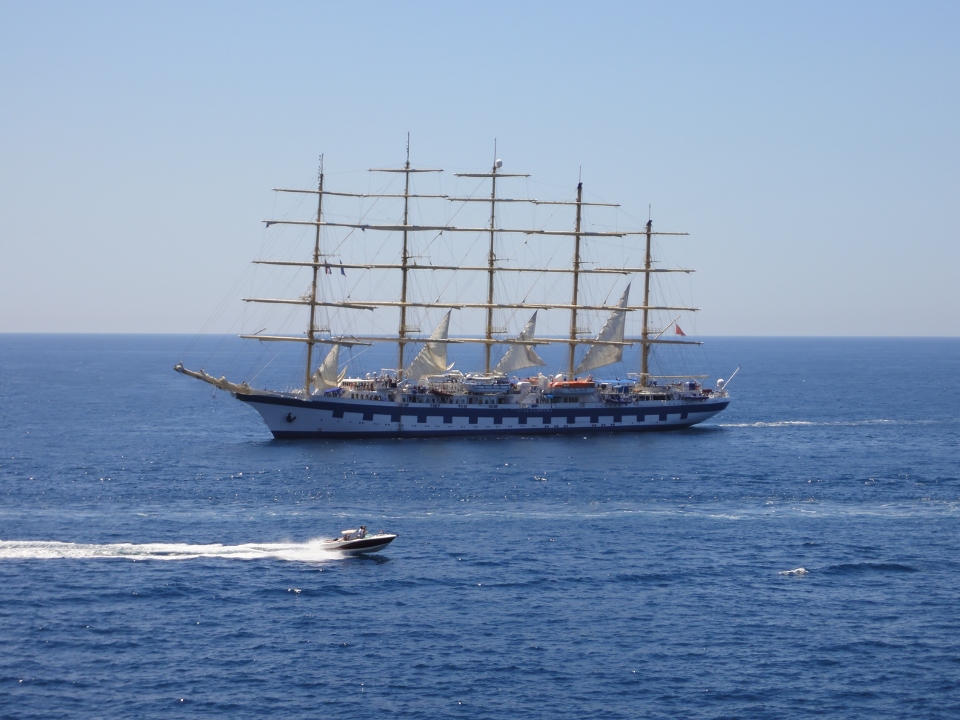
465, 420
495, 432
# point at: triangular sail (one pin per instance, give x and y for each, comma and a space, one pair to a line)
326, 376
612, 331
521, 356
432, 359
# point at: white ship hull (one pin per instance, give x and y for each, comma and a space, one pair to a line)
289, 416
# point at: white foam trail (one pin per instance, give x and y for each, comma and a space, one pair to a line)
837, 423
798, 571
310, 551
779, 423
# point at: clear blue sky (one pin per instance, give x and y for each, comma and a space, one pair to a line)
812, 149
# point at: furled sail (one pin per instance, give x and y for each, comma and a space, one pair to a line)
326, 376
521, 356
600, 355
432, 359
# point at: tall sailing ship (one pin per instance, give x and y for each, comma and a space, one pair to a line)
424, 395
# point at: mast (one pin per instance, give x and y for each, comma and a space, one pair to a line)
311, 331
408, 265
491, 268
576, 284
645, 332
491, 257
405, 228
404, 264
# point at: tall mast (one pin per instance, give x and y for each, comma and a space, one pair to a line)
492, 229
576, 282
402, 338
311, 330
404, 263
405, 228
645, 332
491, 257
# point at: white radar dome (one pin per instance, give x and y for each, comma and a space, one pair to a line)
498, 164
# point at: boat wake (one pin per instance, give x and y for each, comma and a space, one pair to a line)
807, 423
838, 423
309, 551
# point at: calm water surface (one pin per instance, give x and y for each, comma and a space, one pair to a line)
795, 557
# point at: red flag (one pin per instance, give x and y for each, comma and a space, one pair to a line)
679, 331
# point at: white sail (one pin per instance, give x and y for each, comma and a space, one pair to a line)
432, 359
326, 376
601, 355
521, 356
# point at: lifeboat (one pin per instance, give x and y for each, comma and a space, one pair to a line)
571, 387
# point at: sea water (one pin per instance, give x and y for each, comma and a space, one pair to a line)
796, 556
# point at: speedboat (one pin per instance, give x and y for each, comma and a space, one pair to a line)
356, 542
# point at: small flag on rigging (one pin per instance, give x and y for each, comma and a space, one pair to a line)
327, 270
679, 331
342, 271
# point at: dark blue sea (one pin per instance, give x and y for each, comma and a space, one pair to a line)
796, 557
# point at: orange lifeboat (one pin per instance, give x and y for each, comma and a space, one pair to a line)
571, 387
